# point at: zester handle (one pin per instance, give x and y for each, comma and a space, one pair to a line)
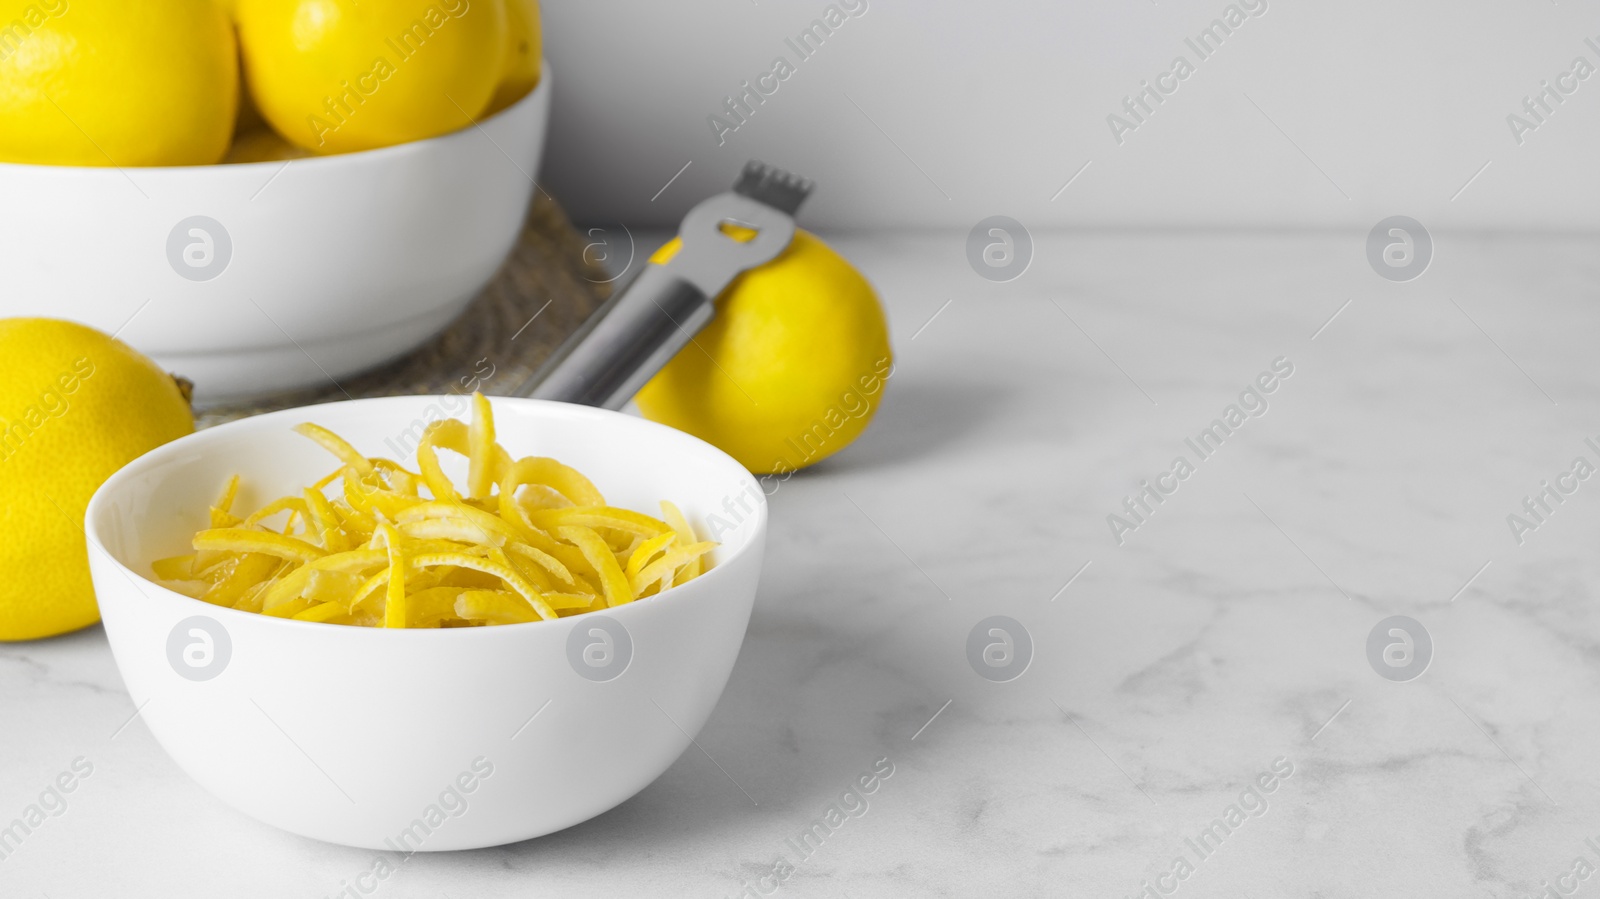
626, 341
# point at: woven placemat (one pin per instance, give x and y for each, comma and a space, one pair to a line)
543, 293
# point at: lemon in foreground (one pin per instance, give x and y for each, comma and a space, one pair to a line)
335, 76
75, 405
126, 84
791, 369
524, 52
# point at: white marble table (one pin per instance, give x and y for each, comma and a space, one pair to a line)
1227, 634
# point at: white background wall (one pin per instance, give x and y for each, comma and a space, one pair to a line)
937, 113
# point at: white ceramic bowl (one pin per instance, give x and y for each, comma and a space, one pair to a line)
352, 735
317, 268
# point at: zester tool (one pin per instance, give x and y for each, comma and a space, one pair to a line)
641, 327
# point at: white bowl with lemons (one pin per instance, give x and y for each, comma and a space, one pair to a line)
424, 739
255, 278
259, 277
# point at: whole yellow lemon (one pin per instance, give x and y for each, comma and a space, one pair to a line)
126, 84
791, 369
524, 52
75, 405
335, 76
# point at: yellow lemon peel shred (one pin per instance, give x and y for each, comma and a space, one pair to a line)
376, 544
